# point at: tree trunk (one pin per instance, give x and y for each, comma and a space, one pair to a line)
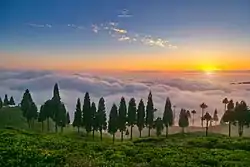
183, 131
166, 131
78, 129
229, 129
113, 138
240, 130
122, 135
42, 126
193, 119
48, 124
149, 129
101, 134
140, 133
131, 132
207, 128
93, 134
202, 113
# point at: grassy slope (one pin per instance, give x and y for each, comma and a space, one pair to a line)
22, 148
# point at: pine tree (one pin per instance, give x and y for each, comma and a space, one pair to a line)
56, 99
62, 117
241, 116
229, 116
86, 109
215, 116
158, 125
122, 117
1, 103
131, 115
11, 102
101, 118
42, 116
150, 113
113, 121
141, 116
183, 120
48, 110
67, 118
168, 118
93, 119
78, 116
32, 114
6, 100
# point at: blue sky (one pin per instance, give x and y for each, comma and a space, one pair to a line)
67, 25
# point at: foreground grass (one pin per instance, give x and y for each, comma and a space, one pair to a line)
22, 148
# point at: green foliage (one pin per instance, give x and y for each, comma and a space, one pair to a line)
150, 113
12, 101
168, 116
101, 117
6, 100
78, 115
131, 115
93, 118
141, 116
183, 119
1, 103
67, 118
158, 125
86, 112
113, 121
122, 116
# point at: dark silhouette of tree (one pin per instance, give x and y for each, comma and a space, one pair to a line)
215, 116
225, 102
131, 115
93, 119
42, 116
12, 101
188, 114
122, 116
62, 117
1, 103
229, 116
140, 116
150, 113
203, 106
159, 126
6, 100
32, 114
183, 120
48, 110
78, 116
113, 121
57, 108
193, 112
241, 116
67, 118
86, 113
101, 117
127, 133
168, 118
207, 117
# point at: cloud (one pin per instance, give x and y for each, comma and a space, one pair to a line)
123, 38
75, 26
121, 31
124, 14
40, 25
95, 28
184, 92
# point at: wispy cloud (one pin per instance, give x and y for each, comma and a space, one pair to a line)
124, 38
75, 26
124, 14
95, 28
121, 31
40, 25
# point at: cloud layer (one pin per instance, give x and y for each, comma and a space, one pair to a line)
183, 92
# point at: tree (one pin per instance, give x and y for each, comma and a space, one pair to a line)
101, 117
122, 117
113, 121
11, 102
1, 103
207, 117
93, 119
150, 113
158, 125
168, 118
6, 100
86, 113
241, 116
193, 112
42, 116
203, 106
215, 116
131, 115
225, 102
32, 114
67, 118
183, 120
141, 116
62, 116
48, 110
229, 116
188, 114
57, 108
78, 116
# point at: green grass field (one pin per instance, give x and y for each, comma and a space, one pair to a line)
23, 147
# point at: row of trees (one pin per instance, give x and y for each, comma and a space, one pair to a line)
6, 101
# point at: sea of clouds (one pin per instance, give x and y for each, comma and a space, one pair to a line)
184, 91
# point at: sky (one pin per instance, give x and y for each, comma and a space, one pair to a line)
163, 35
